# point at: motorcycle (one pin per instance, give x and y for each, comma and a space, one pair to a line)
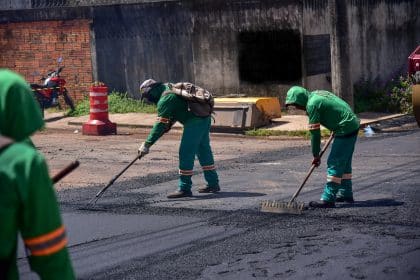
47, 94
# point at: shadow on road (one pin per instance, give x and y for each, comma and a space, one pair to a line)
218, 195
56, 118
385, 202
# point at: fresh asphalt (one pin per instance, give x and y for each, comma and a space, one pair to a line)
137, 233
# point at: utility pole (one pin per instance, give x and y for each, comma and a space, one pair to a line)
340, 54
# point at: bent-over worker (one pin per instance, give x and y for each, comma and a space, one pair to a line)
195, 137
326, 109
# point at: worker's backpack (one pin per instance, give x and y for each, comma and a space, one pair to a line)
200, 101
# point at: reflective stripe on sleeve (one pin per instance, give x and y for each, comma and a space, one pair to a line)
314, 126
334, 179
186, 172
208, 167
347, 176
163, 120
48, 243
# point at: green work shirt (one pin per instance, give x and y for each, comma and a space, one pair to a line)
172, 108
326, 109
28, 205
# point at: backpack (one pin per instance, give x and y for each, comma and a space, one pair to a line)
200, 101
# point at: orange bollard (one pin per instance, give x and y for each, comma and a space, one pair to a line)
98, 123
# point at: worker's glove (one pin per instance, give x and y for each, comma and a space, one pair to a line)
316, 161
144, 149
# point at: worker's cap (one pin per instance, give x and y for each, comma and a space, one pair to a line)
146, 87
297, 95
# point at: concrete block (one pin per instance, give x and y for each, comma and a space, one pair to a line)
246, 113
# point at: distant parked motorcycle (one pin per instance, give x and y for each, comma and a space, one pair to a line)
51, 89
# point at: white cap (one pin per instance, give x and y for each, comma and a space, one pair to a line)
145, 86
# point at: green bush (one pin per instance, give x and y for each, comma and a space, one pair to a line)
391, 97
298, 133
401, 95
117, 103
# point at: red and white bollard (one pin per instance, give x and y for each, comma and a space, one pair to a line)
98, 123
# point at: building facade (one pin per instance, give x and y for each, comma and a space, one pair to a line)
237, 47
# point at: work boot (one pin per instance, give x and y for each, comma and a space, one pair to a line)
179, 194
322, 204
344, 199
209, 189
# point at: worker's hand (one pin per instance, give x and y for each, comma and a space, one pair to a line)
316, 161
144, 149
168, 126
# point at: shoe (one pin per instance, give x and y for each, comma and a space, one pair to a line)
209, 189
345, 199
322, 204
179, 194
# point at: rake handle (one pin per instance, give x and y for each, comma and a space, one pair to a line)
99, 194
64, 172
312, 168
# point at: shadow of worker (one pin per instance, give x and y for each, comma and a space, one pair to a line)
219, 195
383, 202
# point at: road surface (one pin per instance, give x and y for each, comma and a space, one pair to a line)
135, 232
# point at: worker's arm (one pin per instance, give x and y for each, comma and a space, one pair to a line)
165, 118
314, 129
159, 128
41, 227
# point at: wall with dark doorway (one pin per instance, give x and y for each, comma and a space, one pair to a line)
243, 47
252, 47
247, 47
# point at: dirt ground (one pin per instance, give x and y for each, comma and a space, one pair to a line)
102, 157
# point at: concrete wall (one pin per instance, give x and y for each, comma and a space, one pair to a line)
316, 42
15, 4
187, 40
217, 46
137, 42
382, 36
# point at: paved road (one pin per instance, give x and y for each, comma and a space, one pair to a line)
136, 233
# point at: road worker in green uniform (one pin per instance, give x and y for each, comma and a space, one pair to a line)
195, 138
27, 200
326, 109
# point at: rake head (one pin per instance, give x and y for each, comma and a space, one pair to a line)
282, 207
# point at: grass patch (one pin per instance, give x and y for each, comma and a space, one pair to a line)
293, 133
117, 103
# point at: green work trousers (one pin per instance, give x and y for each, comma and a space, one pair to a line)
339, 169
196, 142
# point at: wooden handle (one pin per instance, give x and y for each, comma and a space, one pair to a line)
312, 168
64, 172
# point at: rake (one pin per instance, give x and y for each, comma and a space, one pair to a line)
100, 193
292, 207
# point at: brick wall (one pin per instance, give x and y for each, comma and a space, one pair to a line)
30, 47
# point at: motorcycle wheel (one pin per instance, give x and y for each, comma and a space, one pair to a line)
68, 100
40, 100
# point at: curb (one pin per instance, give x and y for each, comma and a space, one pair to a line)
366, 123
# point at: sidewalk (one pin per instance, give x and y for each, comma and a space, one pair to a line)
141, 120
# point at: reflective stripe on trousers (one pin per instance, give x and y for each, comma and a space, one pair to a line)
339, 169
196, 142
